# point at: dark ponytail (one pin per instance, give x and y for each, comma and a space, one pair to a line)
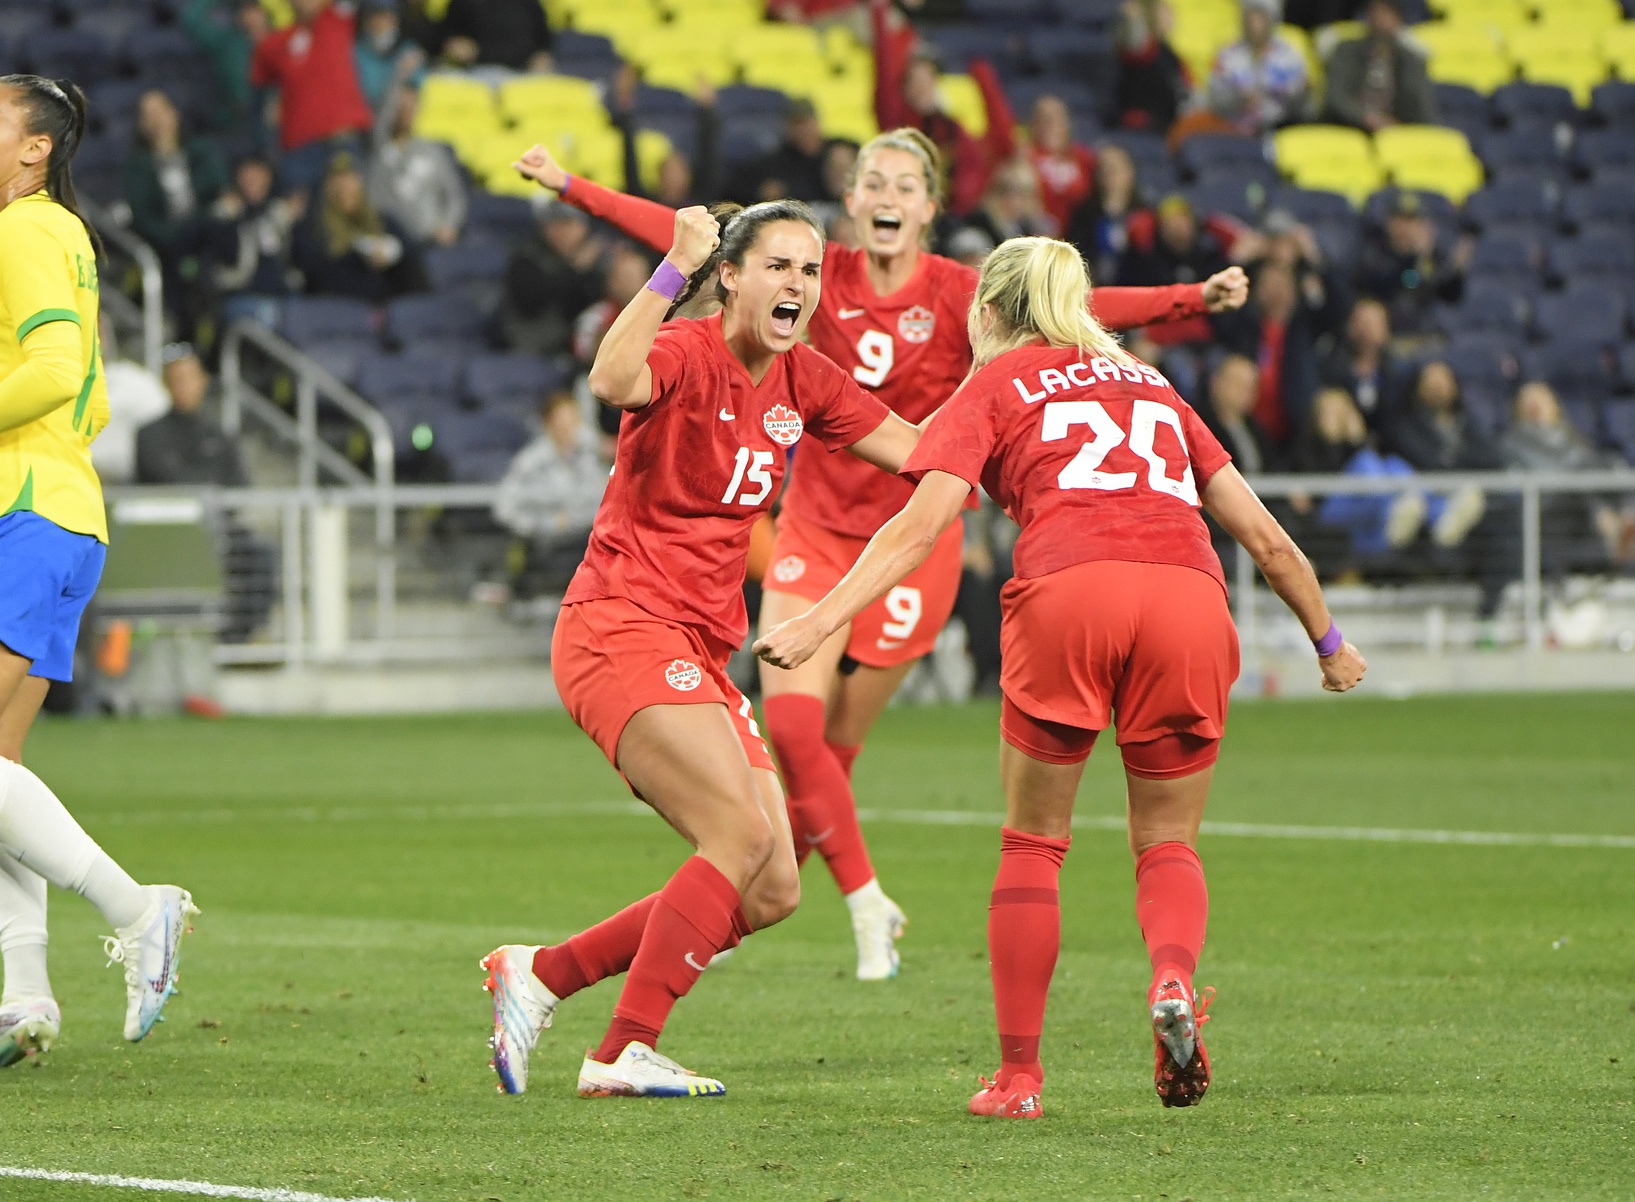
58, 109
740, 227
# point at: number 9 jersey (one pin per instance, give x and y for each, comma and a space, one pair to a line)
696, 467
1096, 459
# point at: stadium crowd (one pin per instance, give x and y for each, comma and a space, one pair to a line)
277, 158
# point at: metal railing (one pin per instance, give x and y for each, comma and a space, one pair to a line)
314, 456
333, 605
152, 315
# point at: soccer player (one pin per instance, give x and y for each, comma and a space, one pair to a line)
52, 404
656, 609
893, 316
1118, 612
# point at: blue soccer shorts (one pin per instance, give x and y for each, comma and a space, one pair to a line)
47, 576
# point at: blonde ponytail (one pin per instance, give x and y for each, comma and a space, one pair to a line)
1037, 288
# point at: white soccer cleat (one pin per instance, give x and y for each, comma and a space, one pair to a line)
523, 1007
640, 1072
28, 1026
877, 924
150, 951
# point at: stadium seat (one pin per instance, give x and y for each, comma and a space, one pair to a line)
340, 357
1582, 368
1310, 205
1462, 107
1614, 101
1599, 149
744, 100
1240, 196
386, 378
479, 444
505, 218
1597, 15
1331, 158
1202, 152
1430, 158
1599, 200
677, 55
1529, 152
764, 42
1071, 53
1484, 359
650, 101
476, 257
1489, 305
1568, 55
307, 319
956, 45
723, 13
615, 19
746, 138
1530, 100
1618, 45
1442, 211
1510, 253
517, 383
1594, 254
1510, 200
77, 54
1011, 10
414, 320
1587, 312
561, 100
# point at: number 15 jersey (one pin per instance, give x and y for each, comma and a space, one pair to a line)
1094, 458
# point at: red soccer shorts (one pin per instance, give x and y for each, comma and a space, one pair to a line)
611, 658
1148, 646
900, 627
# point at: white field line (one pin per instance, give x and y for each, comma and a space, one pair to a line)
613, 809
157, 1185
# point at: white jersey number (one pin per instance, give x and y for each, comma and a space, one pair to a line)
878, 353
750, 469
1145, 417
905, 605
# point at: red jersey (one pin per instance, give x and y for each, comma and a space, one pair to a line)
312, 66
1064, 180
1095, 460
698, 465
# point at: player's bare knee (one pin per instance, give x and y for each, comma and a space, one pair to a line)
773, 898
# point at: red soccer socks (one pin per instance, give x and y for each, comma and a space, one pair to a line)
822, 810
1172, 906
694, 916
845, 754
604, 950
1024, 934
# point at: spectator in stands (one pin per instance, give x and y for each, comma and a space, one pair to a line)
550, 279
170, 181
249, 243
1065, 170
135, 397
1170, 247
1378, 79
627, 270
1234, 393
548, 498
1011, 206
1480, 534
1332, 529
905, 93
1404, 267
1579, 530
321, 107
1099, 226
1278, 329
1260, 82
415, 181
1152, 84
497, 33
344, 247
228, 32
384, 55
1362, 363
188, 446
794, 169
971, 246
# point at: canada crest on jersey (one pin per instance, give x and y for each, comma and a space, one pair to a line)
783, 425
916, 324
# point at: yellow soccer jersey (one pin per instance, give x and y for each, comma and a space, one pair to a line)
48, 274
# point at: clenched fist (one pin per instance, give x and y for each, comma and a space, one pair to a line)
697, 236
1344, 669
1226, 290
538, 164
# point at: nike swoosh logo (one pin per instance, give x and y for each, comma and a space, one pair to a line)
725, 416
694, 964
848, 314
814, 840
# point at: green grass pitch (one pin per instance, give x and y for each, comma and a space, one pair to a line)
1394, 1020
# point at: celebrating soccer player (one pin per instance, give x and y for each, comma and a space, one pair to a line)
647, 626
893, 316
52, 404
1118, 613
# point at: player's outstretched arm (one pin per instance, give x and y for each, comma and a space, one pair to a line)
643, 220
1131, 308
889, 444
1235, 506
900, 546
620, 376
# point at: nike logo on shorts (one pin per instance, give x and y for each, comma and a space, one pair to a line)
694, 964
725, 415
848, 314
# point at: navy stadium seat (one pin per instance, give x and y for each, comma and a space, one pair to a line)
956, 45
1463, 107
153, 51
315, 318
1099, 14
1578, 367
1584, 313
1597, 150
477, 257
1597, 201
1205, 152
998, 11
1310, 204
1240, 196
479, 444
1484, 358
1614, 102
1490, 305
78, 54
507, 218
1618, 427
1069, 52
746, 100
1437, 207
17, 23
341, 357
388, 378
1511, 200
746, 138
515, 382
649, 99
1338, 240
1505, 253
1593, 254
1083, 101
1520, 152
585, 55
1522, 100
111, 21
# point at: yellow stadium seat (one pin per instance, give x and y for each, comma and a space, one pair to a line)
1456, 179
1503, 12
1299, 144
1198, 50
652, 148
1401, 144
1618, 44
1580, 76
845, 110
723, 14
554, 96
576, 13
962, 100
1483, 70
794, 76
617, 21
447, 90
1556, 39
1356, 181
597, 155
1585, 14
680, 51
1572, 56
794, 46
1457, 37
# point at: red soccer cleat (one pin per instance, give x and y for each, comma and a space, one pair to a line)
1019, 1101
1180, 1064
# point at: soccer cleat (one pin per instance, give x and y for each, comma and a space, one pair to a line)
640, 1072
27, 1027
523, 1007
1019, 1101
877, 924
1180, 1063
150, 951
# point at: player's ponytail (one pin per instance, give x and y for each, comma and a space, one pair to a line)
1036, 288
740, 227
58, 109
695, 300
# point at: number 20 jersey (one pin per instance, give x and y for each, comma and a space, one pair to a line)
1096, 459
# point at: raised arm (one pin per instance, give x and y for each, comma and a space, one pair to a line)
620, 376
900, 546
646, 221
1234, 505
893, 46
1131, 308
888, 445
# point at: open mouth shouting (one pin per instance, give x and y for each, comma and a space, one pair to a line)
887, 226
785, 317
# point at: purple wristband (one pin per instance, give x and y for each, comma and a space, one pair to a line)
667, 281
1329, 643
